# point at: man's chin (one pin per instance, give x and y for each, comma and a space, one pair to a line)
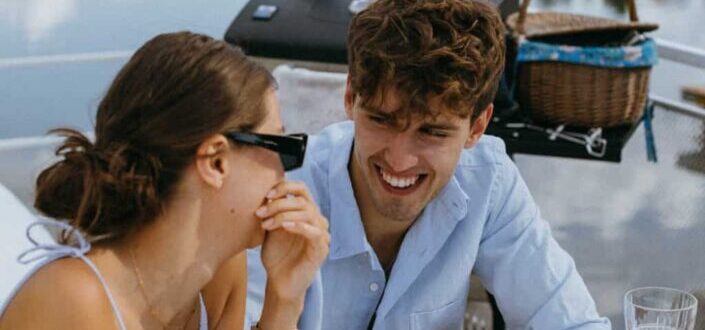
399, 212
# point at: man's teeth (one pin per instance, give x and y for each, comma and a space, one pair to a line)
399, 182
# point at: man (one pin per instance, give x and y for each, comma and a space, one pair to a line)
417, 197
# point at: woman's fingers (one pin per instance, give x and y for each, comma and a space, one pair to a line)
296, 188
287, 203
276, 221
312, 233
291, 196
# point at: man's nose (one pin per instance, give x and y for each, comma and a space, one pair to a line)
400, 153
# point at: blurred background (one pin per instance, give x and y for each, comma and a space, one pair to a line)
627, 225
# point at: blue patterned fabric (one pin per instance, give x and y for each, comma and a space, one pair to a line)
640, 55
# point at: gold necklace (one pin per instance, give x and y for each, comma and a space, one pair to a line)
150, 307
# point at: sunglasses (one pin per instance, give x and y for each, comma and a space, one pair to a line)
291, 148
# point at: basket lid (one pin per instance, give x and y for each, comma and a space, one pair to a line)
545, 24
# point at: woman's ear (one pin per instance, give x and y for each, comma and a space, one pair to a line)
211, 161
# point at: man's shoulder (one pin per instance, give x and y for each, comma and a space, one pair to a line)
480, 168
488, 151
326, 152
331, 137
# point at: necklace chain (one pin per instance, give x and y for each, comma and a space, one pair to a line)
150, 307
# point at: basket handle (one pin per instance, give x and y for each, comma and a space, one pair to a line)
524, 8
632, 11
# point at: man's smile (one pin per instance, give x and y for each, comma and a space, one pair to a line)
399, 184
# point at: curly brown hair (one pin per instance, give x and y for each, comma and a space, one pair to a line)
453, 49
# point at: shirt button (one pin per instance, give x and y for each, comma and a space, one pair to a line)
374, 287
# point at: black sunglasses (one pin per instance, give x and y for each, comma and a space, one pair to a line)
291, 148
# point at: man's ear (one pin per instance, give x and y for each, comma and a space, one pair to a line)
211, 161
479, 125
349, 99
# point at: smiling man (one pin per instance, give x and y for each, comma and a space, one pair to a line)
417, 197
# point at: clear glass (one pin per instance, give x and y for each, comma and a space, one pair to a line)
655, 308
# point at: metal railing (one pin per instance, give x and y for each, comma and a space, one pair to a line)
677, 106
683, 54
676, 52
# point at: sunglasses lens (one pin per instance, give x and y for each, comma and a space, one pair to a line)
290, 162
293, 158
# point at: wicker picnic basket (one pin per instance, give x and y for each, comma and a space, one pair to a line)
577, 94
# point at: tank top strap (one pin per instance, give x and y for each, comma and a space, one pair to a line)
51, 251
78, 248
203, 322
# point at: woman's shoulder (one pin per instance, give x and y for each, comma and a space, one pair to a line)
62, 294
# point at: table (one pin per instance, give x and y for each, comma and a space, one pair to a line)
308, 30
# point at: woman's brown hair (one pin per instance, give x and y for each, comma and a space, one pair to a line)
449, 48
176, 91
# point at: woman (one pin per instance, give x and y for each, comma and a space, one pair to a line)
186, 172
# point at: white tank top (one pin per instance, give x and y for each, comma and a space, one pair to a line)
50, 252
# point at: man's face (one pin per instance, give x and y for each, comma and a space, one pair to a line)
401, 169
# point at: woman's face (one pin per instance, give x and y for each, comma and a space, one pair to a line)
254, 171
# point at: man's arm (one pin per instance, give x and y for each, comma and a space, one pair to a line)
533, 279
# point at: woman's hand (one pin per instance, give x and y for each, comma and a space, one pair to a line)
295, 246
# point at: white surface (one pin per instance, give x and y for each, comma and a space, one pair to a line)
310, 100
21, 160
14, 218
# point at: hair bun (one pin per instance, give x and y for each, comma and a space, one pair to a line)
101, 192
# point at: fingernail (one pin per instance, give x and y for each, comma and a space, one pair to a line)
268, 223
271, 193
288, 224
262, 211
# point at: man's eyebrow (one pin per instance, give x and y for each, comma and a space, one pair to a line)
376, 112
441, 126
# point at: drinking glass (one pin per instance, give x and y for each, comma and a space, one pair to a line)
655, 308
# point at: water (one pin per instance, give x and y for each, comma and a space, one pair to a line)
678, 19
41, 95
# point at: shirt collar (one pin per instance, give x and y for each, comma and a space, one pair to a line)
347, 233
454, 199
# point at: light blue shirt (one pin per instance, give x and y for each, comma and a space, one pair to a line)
483, 221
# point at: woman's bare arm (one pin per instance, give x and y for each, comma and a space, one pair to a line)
225, 296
